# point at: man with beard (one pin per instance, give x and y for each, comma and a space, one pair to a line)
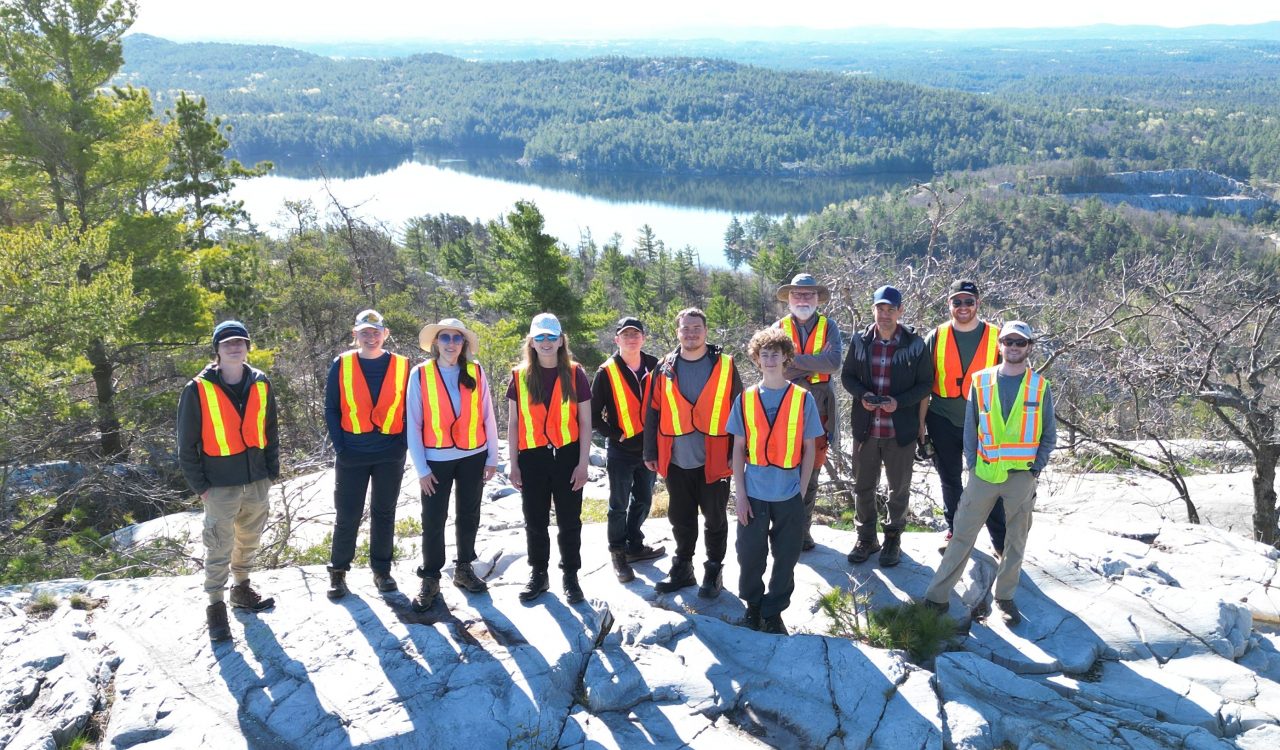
686, 440
1009, 432
818, 354
960, 348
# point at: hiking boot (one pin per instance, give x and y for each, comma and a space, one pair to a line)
751, 620
981, 611
337, 584
465, 578
216, 615
645, 552
891, 553
863, 549
621, 567
1009, 611
808, 544
942, 548
572, 589
999, 554
384, 582
244, 597
681, 576
537, 585
941, 608
426, 595
774, 625
712, 581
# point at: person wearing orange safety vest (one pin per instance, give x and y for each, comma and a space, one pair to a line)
959, 348
549, 449
618, 396
364, 408
776, 425
686, 440
228, 450
1009, 432
453, 444
819, 352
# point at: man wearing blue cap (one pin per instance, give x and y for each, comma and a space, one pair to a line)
888, 371
229, 455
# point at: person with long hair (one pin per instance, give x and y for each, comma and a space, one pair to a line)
364, 406
549, 439
453, 442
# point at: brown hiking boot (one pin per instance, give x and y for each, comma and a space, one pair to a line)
337, 584
426, 595
465, 578
219, 627
940, 607
385, 582
891, 553
244, 597
1009, 611
863, 549
645, 552
621, 567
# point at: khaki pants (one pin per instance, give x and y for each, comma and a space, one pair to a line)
233, 521
1019, 493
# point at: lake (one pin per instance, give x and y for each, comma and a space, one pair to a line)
683, 210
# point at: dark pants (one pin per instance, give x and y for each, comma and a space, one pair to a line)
948, 459
548, 479
468, 474
688, 493
630, 498
868, 457
778, 526
352, 478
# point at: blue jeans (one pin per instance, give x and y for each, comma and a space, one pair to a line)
630, 498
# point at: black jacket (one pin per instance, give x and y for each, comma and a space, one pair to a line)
203, 471
602, 417
910, 381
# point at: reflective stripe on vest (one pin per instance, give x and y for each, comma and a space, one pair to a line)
710, 415
359, 414
948, 382
817, 339
441, 428
626, 409
779, 443
223, 431
538, 425
1008, 444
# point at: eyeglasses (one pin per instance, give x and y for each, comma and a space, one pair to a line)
1016, 342
450, 338
541, 337
804, 295
963, 301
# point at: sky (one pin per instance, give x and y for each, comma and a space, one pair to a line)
377, 20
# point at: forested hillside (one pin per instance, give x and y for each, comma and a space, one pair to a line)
704, 115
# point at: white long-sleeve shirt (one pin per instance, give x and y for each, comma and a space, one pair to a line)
419, 453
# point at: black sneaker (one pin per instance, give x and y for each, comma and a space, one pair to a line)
681, 576
712, 581
244, 597
337, 584
219, 627
1009, 611
536, 587
572, 589
384, 582
426, 595
863, 550
645, 552
464, 577
774, 625
751, 620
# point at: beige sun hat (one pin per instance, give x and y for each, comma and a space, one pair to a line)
427, 336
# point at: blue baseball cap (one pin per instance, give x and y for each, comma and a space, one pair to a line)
887, 295
227, 330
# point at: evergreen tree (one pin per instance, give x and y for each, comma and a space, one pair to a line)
532, 273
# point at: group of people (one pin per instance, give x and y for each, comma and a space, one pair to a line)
963, 392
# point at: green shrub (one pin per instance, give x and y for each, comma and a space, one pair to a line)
913, 628
408, 527
42, 604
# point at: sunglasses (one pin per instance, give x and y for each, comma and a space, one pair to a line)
450, 338
963, 302
541, 337
1016, 342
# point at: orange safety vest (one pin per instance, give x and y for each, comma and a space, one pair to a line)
224, 431
778, 443
441, 428
710, 416
948, 382
626, 409
817, 340
540, 425
359, 414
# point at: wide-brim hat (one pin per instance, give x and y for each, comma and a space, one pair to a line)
427, 336
806, 283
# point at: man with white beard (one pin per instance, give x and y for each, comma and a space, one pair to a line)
818, 354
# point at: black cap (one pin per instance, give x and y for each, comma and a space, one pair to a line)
963, 286
229, 329
628, 322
